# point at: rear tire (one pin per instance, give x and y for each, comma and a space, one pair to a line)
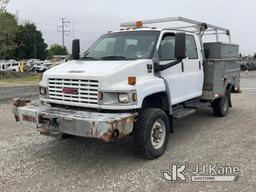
221, 105
151, 133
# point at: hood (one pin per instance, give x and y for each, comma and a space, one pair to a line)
86, 68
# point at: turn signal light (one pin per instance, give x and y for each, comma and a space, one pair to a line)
132, 80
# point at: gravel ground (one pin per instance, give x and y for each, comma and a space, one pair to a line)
18, 91
31, 162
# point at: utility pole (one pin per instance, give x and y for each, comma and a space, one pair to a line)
63, 29
35, 51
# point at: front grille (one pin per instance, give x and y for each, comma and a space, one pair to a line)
87, 90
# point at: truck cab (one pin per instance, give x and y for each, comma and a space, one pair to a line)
135, 81
119, 56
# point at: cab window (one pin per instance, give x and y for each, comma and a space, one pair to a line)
191, 47
167, 47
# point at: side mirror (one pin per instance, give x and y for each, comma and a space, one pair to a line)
76, 49
180, 46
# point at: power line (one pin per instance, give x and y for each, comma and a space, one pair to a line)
74, 30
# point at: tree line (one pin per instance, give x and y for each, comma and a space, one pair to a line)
24, 41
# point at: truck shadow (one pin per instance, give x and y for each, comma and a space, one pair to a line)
78, 153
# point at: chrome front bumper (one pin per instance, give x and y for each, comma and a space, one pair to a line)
55, 121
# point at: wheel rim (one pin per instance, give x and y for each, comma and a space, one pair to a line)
158, 133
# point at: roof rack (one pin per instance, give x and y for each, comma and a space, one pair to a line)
197, 26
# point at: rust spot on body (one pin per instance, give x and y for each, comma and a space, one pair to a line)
29, 118
44, 131
21, 102
107, 137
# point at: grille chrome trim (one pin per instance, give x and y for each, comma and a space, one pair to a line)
87, 90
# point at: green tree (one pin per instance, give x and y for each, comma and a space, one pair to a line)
30, 43
57, 50
8, 29
3, 4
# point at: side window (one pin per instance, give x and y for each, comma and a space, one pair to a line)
191, 47
167, 48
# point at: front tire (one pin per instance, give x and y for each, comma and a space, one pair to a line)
151, 133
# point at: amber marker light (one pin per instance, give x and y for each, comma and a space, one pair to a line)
132, 80
139, 24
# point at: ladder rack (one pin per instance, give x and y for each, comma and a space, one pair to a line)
197, 26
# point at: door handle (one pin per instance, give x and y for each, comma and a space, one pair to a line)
200, 65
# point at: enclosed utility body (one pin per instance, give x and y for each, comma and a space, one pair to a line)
221, 68
220, 50
136, 82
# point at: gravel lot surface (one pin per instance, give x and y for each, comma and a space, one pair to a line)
31, 162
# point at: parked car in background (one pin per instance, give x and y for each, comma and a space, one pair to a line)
32, 62
3, 65
13, 65
48, 64
42, 66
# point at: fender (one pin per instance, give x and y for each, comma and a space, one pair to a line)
149, 87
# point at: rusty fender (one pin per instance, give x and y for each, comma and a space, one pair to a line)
54, 121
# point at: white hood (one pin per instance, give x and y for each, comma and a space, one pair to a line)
112, 75
86, 68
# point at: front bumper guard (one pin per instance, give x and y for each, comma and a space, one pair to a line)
56, 121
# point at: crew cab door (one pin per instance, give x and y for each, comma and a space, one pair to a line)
184, 80
193, 67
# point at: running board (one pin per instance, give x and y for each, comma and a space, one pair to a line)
196, 104
183, 112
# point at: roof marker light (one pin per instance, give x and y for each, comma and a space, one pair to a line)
139, 24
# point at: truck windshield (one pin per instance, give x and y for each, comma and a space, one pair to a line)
129, 45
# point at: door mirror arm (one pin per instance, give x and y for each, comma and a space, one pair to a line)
159, 67
180, 53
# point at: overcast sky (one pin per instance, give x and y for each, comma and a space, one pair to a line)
95, 17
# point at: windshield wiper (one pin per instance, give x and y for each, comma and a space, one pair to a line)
87, 58
114, 58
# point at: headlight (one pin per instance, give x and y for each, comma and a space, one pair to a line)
117, 98
42, 90
123, 97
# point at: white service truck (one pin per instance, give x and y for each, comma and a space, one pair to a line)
136, 82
